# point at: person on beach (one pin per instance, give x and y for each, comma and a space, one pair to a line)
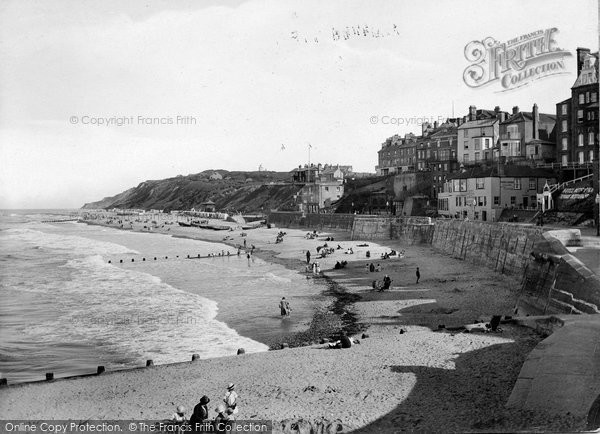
200, 414
283, 306
387, 282
308, 256
371, 267
222, 420
179, 415
230, 398
244, 243
418, 273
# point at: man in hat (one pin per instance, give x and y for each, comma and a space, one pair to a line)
200, 414
231, 399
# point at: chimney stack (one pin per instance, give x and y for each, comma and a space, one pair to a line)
424, 127
536, 121
472, 112
501, 116
515, 110
581, 53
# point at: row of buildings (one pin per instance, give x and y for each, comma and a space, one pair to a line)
322, 185
490, 160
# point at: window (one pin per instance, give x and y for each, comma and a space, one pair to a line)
532, 184
496, 200
564, 126
591, 138
582, 98
581, 156
564, 109
477, 142
594, 97
513, 200
476, 215
580, 140
480, 183
565, 146
466, 144
466, 158
326, 188
337, 188
564, 160
591, 156
587, 97
579, 115
477, 158
517, 184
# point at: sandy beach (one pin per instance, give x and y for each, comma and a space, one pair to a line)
405, 374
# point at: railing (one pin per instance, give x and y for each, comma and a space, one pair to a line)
555, 187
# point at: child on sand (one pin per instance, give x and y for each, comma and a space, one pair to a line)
179, 415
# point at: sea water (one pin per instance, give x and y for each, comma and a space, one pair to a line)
65, 309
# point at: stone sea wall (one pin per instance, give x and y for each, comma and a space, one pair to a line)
499, 246
311, 222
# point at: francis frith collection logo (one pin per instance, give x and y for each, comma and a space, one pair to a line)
514, 63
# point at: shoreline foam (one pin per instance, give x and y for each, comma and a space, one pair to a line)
421, 379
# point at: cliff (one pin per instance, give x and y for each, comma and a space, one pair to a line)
234, 191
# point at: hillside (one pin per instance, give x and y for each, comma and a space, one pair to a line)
236, 191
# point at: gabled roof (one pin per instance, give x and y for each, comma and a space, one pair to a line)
331, 169
478, 123
528, 117
444, 131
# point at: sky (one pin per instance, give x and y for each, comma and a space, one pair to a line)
96, 97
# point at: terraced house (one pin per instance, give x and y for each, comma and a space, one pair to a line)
481, 193
397, 154
577, 116
436, 153
527, 135
478, 135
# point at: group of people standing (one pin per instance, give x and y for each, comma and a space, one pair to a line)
200, 418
